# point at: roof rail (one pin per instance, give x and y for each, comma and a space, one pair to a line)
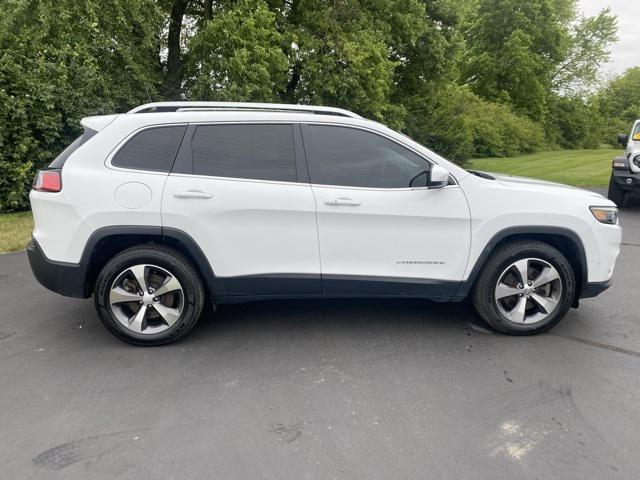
237, 106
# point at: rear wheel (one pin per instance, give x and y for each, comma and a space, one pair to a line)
526, 287
616, 194
149, 295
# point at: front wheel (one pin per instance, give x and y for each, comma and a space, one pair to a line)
149, 295
525, 288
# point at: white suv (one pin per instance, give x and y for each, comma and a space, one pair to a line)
153, 211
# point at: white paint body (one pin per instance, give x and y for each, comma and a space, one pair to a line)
251, 227
247, 227
633, 148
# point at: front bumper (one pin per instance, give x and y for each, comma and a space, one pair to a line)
593, 289
67, 279
627, 180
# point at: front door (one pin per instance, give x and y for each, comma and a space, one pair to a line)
378, 234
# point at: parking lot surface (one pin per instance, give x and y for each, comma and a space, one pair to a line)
358, 389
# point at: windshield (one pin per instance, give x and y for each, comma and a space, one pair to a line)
636, 133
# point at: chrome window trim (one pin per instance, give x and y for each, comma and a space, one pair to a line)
116, 149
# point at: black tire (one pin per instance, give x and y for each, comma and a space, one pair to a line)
616, 194
192, 296
483, 295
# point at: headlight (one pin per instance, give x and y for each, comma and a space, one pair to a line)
608, 215
636, 160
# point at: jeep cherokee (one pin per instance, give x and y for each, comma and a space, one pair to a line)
154, 211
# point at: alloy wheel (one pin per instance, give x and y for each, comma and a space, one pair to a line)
146, 299
528, 291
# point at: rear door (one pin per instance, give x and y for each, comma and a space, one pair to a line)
380, 233
242, 192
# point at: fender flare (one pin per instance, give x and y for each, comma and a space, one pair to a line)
171, 237
573, 237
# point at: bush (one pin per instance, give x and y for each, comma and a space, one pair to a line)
61, 61
460, 125
572, 123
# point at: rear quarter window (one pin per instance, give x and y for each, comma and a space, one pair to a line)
152, 149
60, 160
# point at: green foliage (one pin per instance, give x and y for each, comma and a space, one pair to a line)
344, 68
466, 78
237, 56
619, 104
588, 42
523, 52
462, 125
60, 61
573, 123
346, 54
513, 48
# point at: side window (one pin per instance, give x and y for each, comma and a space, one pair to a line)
60, 160
152, 149
356, 158
260, 152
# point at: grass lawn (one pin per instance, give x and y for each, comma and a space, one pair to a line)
584, 168
15, 231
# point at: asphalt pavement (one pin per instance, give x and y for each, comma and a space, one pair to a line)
358, 389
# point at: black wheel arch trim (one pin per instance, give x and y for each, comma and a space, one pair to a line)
214, 285
75, 279
467, 285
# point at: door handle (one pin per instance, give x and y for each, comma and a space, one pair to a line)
192, 194
349, 202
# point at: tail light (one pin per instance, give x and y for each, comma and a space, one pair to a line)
48, 181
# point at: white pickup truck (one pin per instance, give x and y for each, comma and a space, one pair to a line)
625, 174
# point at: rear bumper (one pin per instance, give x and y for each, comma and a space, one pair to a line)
593, 289
67, 279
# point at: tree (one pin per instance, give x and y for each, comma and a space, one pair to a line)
619, 104
573, 122
173, 74
60, 61
513, 48
466, 77
237, 56
460, 125
589, 42
357, 55
521, 52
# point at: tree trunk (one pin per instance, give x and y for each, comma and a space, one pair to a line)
289, 95
174, 54
208, 10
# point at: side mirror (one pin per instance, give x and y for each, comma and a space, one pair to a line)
438, 177
623, 139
